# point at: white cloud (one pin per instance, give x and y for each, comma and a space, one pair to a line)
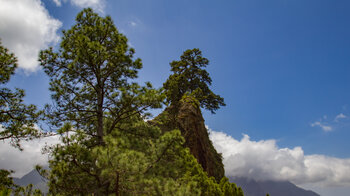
260, 160
339, 116
24, 161
324, 127
25, 28
97, 5
328, 125
133, 24
57, 2
264, 160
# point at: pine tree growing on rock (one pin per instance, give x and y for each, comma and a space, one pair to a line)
187, 90
189, 77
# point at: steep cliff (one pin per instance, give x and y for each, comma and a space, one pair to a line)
187, 117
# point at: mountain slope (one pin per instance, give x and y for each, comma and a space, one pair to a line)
273, 188
34, 178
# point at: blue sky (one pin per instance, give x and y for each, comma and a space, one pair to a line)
282, 66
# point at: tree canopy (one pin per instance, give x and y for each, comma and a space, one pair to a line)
17, 120
190, 77
90, 77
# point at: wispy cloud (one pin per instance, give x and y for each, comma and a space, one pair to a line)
264, 160
331, 124
133, 23
324, 127
339, 116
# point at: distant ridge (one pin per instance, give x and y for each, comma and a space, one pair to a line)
253, 187
34, 178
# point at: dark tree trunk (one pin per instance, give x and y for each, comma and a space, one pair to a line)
100, 115
117, 185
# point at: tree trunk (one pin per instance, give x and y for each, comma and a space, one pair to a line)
117, 185
100, 115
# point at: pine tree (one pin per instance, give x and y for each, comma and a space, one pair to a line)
6, 182
190, 77
17, 120
90, 77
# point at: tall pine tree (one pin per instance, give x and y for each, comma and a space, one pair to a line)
90, 77
90, 81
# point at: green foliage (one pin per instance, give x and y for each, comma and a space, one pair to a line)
17, 120
139, 161
8, 64
6, 182
27, 191
190, 77
5, 192
89, 77
230, 189
107, 148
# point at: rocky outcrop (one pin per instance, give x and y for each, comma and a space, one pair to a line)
187, 117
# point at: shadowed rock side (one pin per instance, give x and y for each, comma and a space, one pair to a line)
187, 117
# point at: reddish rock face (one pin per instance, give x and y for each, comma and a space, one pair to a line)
187, 117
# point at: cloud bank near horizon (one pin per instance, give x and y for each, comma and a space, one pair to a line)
22, 162
260, 160
264, 160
